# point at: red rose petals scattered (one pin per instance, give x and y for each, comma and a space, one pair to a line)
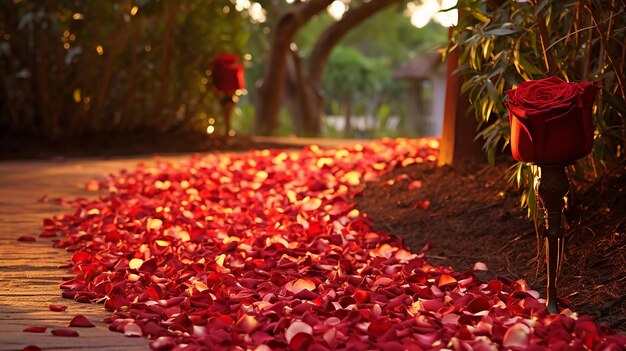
265, 250
64, 332
296, 328
35, 330
80, 321
132, 330
26, 238
416, 184
480, 266
57, 307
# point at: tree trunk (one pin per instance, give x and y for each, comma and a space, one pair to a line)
322, 49
459, 130
294, 86
127, 114
273, 82
166, 63
347, 110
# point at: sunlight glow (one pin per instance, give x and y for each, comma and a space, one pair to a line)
423, 12
257, 13
447, 18
337, 9
241, 5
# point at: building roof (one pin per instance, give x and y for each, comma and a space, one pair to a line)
421, 67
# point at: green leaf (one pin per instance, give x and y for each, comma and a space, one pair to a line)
500, 31
541, 6
491, 157
528, 66
480, 16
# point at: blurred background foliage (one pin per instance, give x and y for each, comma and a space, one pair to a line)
80, 67
503, 43
70, 68
363, 64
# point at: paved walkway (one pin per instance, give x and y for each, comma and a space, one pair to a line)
29, 277
29, 273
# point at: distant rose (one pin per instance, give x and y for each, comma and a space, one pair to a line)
227, 73
551, 120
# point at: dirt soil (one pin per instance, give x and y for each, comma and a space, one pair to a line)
474, 215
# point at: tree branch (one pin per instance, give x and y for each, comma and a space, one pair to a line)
333, 34
272, 84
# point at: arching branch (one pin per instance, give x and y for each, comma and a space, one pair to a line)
333, 34
273, 81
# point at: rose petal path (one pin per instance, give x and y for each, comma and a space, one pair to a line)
265, 251
29, 273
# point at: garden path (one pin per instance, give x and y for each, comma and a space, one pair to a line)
29, 274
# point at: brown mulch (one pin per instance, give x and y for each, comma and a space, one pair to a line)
474, 215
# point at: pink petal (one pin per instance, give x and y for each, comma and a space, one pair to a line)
312, 204
247, 323
480, 266
299, 285
163, 343
517, 336
301, 341
297, 327
132, 330
416, 184
81, 321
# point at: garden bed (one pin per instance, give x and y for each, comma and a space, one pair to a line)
473, 215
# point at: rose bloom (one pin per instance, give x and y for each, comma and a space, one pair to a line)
227, 73
551, 120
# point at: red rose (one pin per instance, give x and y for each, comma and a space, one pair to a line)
227, 73
551, 120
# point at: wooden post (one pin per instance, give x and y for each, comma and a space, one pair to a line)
553, 186
459, 129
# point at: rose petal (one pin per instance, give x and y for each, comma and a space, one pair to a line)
517, 336
416, 184
35, 330
300, 284
311, 204
26, 238
57, 307
64, 332
480, 266
81, 321
446, 281
379, 327
132, 330
297, 327
31, 348
163, 343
